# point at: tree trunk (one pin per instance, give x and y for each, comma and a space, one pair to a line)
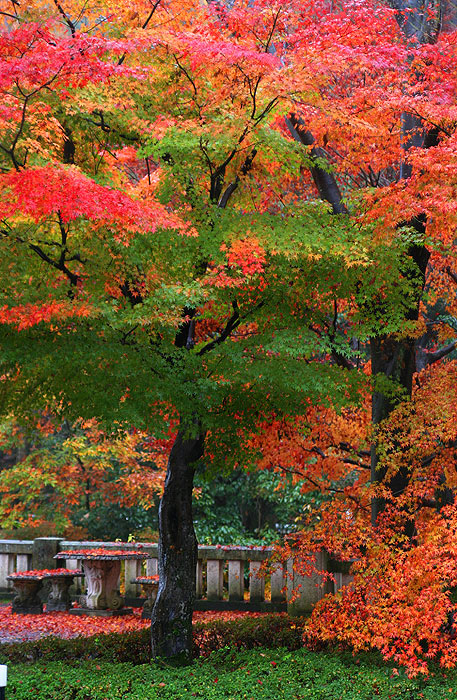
171, 628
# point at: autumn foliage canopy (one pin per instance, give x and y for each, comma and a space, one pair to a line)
237, 219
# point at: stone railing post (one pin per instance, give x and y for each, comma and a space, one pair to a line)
44, 550
303, 592
277, 584
132, 570
214, 579
199, 579
6, 568
341, 572
236, 579
151, 567
256, 583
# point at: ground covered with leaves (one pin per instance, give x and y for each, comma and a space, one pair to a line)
230, 675
21, 628
237, 656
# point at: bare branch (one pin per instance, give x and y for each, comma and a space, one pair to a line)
7, 14
273, 27
68, 21
57, 264
431, 357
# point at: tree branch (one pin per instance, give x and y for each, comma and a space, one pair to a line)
431, 357
233, 322
325, 182
451, 274
132, 296
223, 201
68, 21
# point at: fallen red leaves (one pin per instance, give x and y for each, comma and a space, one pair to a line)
44, 573
18, 628
101, 553
147, 579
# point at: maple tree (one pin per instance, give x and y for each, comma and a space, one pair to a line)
168, 262
157, 304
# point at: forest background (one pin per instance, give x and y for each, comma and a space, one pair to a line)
228, 241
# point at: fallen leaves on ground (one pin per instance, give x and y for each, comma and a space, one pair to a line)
19, 628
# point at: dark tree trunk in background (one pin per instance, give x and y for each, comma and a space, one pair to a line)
395, 359
392, 358
171, 629
420, 20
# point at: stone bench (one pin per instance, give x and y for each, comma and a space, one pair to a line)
27, 585
102, 569
151, 586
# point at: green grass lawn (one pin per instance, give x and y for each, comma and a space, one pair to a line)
225, 675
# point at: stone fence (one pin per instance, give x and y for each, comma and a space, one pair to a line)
227, 577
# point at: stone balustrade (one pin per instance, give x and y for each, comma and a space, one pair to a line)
227, 577
15, 555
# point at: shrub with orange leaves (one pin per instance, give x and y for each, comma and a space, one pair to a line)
401, 599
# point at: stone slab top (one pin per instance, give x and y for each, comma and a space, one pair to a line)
146, 579
16, 546
62, 573
102, 554
40, 574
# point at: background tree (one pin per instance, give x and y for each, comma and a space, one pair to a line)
79, 481
409, 479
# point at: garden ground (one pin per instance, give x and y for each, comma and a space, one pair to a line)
21, 628
256, 674
240, 656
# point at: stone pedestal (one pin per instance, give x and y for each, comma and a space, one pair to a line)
150, 585
26, 600
59, 596
102, 576
102, 568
